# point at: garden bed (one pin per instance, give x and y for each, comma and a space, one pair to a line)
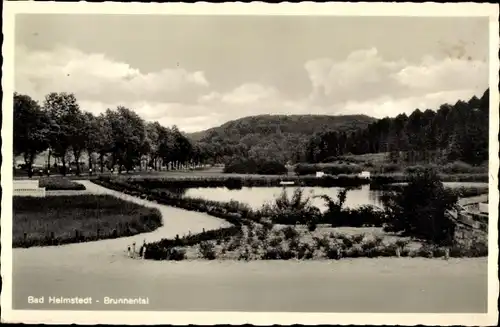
59, 220
261, 242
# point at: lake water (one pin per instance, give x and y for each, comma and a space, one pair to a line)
257, 196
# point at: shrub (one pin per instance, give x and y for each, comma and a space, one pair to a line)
333, 253
177, 254
294, 244
357, 239
312, 226
402, 243
294, 210
290, 232
304, 251
420, 210
347, 241
207, 250
245, 255
277, 253
321, 242
275, 241
60, 183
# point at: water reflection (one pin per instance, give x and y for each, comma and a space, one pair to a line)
257, 196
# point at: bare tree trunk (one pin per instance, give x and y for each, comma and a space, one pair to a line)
63, 160
48, 163
101, 161
90, 161
77, 154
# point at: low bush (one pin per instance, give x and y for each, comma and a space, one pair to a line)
277, 253
296, 209
207, 250
290, 233
60, 184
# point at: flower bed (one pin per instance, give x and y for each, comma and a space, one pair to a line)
259, 242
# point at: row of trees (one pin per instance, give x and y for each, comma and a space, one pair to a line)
118, 138
454, 132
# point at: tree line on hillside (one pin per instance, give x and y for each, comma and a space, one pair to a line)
261, 137
118, 138
456, 132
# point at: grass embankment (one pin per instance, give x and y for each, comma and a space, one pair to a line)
71, 219
456, 171
264, 242
60, 184
237, 182
462, 192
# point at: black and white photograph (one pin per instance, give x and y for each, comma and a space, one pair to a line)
252, 161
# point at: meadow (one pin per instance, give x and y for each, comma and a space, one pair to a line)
56, 220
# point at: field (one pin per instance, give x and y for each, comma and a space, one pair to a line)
71, 219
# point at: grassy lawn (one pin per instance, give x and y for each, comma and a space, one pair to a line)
60, 183
71, 219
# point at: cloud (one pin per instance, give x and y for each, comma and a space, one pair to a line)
362, 83
365, 75
99, 78
387, 106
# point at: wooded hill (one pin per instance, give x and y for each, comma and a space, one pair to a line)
279, 137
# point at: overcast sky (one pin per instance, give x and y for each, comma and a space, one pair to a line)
200, 71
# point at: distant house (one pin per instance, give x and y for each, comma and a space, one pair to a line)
320, 174
364, 174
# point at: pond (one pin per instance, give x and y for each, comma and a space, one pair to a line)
257, 196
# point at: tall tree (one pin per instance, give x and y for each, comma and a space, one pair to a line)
64, 114
128, 132
103, 138
31, 129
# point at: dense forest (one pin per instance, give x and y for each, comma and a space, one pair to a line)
456, 132
280, 137
121, 139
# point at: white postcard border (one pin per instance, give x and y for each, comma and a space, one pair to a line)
255, 8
